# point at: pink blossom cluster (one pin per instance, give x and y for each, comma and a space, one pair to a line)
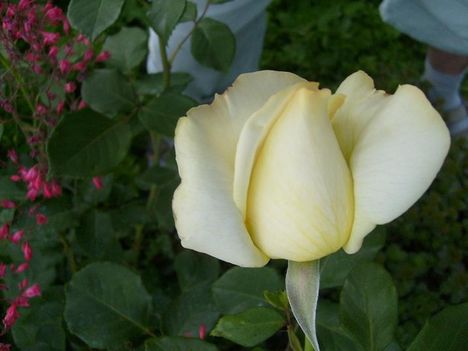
47, 62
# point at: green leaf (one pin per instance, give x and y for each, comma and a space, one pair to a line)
86, 144
215, 2
96, 236
1, 131
176, 343
156, 175
302, 287
11, 190
162, 113
190, 12
127, 48
93, 17
106, 305
40, 327
278, 299
164, 15
153, 84
250, 327
447, 331
335, 268
242, 288
194, 269
108, 91
330, 334
213, 44
368, 306
188, 311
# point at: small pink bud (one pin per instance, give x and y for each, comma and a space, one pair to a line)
55, 188
80, 66
23, 284
70, 87
66, 26
8, 204
15, 178
64, 66
3, 268
5, 347
24, 4
88, 55
17, 236
202, 331
22, 267
4, 231
53, 51
103, 56
21, 301
41, 109
47, 191
11, 316
32, 194
27, 251
82, 105
37, 68
32, 291
55, 15
97, 181
50, 38
12, 155
60, 107
41, 219
31, 174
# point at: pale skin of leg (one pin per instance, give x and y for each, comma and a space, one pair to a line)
446, 62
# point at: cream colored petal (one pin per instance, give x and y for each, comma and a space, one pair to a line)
395, 157
207, 219
252, 136
300, 204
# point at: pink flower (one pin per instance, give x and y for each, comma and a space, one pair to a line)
12, 155
22, 267
24, 4
32, 194
32, 291
82, 105
103, 56
64, 66
3, 268
53, 51
60, 107
50, 38
55, 15
23, 284
11, 316
202, 331
17, 236
4, 231
41, 109
41, 219
97, 181
8, 204
88, 55
27, 251
70, 87
80, 66
55, 188
15, 178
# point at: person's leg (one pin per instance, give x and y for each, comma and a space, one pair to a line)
445, 72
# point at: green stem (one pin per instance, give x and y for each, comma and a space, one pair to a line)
166, 64
18, 78
69, 253
195, 23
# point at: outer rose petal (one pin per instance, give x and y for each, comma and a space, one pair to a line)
300, 203
395, 145
207, 219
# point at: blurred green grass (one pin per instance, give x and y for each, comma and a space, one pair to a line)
427, 248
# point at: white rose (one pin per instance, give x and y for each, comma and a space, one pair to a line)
276, 168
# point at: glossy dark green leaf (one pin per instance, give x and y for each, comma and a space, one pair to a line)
106, 305
177, 343
368, 307
107, 91
194, 269
93, 17
335, 268
162, 113
189, 310
447, 331
243, 288
86, 144
96, 237
190, 12
213, 44
250, 327
127, 48
164, 15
